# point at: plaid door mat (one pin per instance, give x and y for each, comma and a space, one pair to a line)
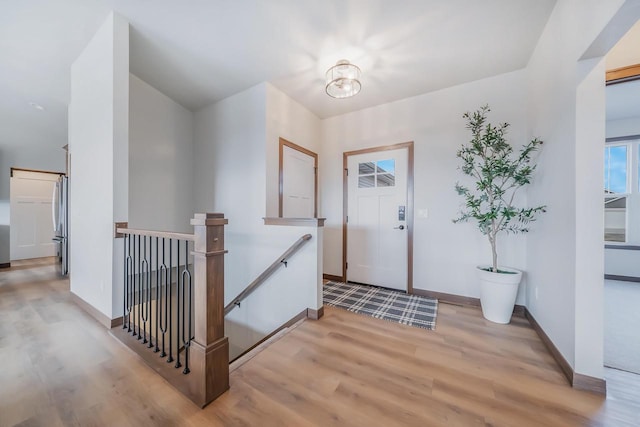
383, 303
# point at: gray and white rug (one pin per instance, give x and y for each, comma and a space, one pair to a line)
383, 303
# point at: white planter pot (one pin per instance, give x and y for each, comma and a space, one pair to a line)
498, 292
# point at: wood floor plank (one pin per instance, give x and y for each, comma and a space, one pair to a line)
62, 368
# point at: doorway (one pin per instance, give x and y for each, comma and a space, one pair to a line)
378, 216
622, 209
31, 205
298, 194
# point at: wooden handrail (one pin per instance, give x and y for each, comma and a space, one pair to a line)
282, 259
154, 233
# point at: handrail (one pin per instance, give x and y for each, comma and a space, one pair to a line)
154, 233
282, 259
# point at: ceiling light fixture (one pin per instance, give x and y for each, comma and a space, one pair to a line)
36, 106
343, 80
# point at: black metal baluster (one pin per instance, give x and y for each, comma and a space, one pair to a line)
143, 295
129, 273
178, 318
186, 274
169, 324
133, 285
163, 301
156, 350
124, 285
148, 256
139, 275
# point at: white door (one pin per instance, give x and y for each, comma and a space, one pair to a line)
377, 235
31, 231
298, 184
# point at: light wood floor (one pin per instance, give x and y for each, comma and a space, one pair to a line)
58, 367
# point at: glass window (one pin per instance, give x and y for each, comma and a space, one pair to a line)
386, 166
616, 189
386, 180
367, 181
366, 168
615, 169
615, 218
377, 174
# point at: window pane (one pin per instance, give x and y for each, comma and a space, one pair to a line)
366, 181
615, 219
386, 180
386, 166
615, 169
366, 168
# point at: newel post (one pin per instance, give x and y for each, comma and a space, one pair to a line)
210, 348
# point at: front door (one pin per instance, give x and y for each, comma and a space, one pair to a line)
377, 218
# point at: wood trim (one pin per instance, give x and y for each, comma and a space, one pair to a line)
120, 225
116, 322
174, 377
300, 222
295, 319
209, 376
154, 233
264, 343
282, 144
588, 383
409, 216
102, 318
518, 310
35, 170
623, 74
345, 198
622, 278
315, 314
5, 265
409, 213
449, 298
577, 381
332, 278
560, 360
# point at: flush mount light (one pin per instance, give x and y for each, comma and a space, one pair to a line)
36, 106
343, 80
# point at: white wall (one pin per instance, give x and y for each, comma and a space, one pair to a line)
98, 143
281, 297
230, 170
40, 158
623, 127
445, 254
289, 120
160, 160
555, 263
621, 262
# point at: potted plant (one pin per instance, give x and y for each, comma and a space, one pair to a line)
499, 173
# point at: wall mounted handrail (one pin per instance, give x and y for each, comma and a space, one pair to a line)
282, 259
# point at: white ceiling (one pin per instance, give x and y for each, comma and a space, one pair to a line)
201, 51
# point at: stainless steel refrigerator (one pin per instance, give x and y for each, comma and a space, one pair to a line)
60, 213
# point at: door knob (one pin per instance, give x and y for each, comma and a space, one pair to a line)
399, 228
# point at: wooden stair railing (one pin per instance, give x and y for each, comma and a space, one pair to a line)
187, 315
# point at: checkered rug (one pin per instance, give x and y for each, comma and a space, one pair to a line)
383, 303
